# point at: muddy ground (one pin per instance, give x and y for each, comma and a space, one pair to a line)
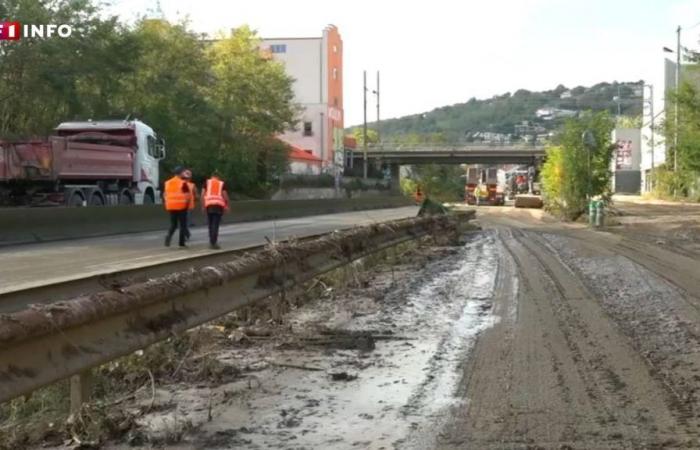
529, 334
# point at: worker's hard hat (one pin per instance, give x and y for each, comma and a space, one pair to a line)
178, 170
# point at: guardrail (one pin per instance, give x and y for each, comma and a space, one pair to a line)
28, 225
46, 343
471, 147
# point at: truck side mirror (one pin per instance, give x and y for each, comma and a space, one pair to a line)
160, 148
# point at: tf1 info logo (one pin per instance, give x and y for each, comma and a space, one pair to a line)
13, 31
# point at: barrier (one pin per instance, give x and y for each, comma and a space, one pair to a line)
31, 225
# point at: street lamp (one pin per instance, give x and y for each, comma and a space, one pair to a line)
675, 105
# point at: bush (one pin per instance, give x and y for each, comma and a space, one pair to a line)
567, 180
291, 181
682, 184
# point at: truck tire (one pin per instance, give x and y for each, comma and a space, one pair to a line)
75, 199
125, 198
96, 199
148, 198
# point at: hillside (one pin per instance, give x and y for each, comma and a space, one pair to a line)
522, 115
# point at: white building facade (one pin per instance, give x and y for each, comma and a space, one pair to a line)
316, 64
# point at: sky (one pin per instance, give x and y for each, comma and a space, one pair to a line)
441, 52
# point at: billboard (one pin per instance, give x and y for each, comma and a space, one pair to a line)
623, 154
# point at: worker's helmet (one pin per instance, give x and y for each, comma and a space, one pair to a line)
178, 170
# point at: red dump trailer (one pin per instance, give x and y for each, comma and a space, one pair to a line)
488, 180
83, 163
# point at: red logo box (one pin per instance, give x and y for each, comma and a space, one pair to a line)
10, 31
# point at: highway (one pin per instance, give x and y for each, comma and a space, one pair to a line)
27, 266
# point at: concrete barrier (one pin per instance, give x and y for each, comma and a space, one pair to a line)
28, 225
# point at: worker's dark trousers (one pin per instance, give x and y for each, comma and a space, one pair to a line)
188, 217
178, 219
214, 219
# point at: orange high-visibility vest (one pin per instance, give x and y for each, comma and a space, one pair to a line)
193, 195
215, 193
175, 199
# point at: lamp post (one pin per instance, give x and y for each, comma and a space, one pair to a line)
675, 104
364, 127
650, 102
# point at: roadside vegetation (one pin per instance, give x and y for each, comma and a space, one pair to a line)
683, 181
568, 179
218, 103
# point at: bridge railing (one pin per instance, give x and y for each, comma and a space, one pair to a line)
457, 147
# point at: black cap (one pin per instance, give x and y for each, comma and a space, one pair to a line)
178, 170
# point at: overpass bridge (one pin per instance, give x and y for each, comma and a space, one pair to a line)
484, 153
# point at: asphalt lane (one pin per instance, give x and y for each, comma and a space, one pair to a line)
25, 266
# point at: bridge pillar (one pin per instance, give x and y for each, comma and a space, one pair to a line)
394, 171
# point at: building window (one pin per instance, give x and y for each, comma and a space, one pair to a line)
307, 129
278, 48
335, 49
335, 101
335, 73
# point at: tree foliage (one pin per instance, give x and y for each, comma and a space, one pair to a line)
218, 104
502, 113
574, 170
441, 182
683, 180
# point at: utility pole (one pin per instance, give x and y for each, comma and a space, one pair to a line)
379, 122
675, 106
651, 134
364, 125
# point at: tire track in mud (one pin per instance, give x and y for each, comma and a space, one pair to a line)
558, 372
618, 355
660, 319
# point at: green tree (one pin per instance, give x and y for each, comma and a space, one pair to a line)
253, 100
441, 182
45, 81
358, 134
165, 89
573, 170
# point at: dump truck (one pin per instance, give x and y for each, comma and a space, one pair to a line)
489, 194
91, 163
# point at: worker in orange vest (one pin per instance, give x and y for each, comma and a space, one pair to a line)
419, 197
215, 202
177, 197
187, 175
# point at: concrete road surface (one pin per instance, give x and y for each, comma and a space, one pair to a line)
38, 264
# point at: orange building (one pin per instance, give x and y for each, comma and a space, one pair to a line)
316, 64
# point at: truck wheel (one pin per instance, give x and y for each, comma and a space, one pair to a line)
148, 198
125, 198
96, 199
76, 199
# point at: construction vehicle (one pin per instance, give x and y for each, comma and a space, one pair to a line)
516, 183
519, 182
484, 183
83, 164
